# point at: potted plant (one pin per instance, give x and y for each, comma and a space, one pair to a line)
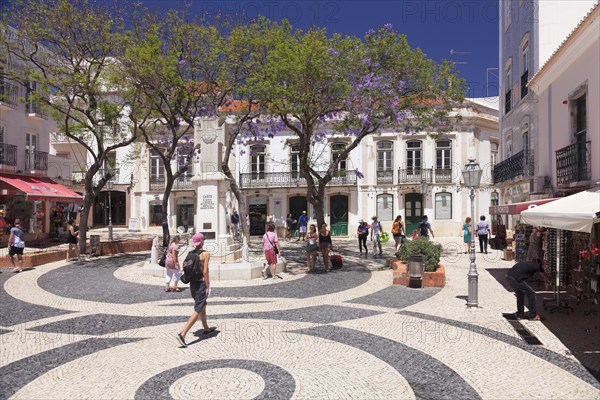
431, 252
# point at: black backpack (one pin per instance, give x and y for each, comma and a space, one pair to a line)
192, 267
423, 231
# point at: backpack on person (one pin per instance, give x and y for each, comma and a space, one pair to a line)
192, 267
423, 230
396, 228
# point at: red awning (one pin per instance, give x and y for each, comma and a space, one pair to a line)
517, 208
37, 188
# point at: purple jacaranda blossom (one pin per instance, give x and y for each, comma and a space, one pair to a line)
359, 174
388, 27
333, 52
370, 32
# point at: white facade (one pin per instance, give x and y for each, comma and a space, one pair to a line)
568, 88
530, 31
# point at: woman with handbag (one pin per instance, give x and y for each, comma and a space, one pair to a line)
467, 232
271, 249
312, 245
172, 267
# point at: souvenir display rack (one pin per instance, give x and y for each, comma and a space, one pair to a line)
522, 234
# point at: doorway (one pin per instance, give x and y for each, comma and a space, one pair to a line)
413, 208
258, 218
338, 206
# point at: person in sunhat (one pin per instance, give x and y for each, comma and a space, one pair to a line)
362, 232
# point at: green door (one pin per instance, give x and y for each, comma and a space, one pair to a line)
413, 208
338, 206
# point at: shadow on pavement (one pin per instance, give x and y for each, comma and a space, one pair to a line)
579, 331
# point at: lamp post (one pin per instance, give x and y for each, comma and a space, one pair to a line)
109, 185
423, 186
472, 177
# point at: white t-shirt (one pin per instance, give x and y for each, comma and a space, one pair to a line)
376, 227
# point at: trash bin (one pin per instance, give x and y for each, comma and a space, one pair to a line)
416, 270
95, 245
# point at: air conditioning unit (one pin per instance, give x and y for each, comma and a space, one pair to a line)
540, 184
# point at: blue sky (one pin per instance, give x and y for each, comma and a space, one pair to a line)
468, 27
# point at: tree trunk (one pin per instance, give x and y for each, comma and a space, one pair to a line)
165, 212
240, 199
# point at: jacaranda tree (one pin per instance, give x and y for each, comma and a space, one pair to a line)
321, 87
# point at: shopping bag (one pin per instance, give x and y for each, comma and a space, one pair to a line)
336, 261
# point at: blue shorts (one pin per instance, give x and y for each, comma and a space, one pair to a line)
198, 290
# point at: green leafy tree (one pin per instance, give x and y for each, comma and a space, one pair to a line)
177, 66
69, 49
322, 87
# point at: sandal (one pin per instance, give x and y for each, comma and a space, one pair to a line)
168, 289
176, 289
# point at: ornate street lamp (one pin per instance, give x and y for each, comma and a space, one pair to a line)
472, 177
109, 186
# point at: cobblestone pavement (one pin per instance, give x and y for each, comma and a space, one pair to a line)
100, 329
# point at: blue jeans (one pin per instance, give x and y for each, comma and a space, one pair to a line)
521, 289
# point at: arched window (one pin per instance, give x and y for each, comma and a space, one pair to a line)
524, 65
336, 149
295, 160
385, 161
508, 147
493, 153
508, 81
443, 205
525, 133
443, 154
414, 149
385, 207
257, 163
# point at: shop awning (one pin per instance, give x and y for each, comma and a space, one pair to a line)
571, 213
37, 188
517, 208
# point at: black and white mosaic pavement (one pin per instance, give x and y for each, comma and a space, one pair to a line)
102, 330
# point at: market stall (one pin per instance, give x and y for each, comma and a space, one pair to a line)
573, 256
516, 245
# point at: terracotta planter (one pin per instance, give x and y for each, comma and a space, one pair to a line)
430, 279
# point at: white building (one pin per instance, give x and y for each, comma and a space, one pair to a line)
568, 89
530, 31
404, 174
26, 162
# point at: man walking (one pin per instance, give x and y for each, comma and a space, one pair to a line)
235, 223
16, 245
199, 286
302, 224
483, 230
425, 228
517, 278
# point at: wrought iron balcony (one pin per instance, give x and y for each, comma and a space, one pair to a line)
519, 165
8, 154
157, 183
443, 175
507, 101
385, 176
574, 163
9, 95
183, 182
414, 175
36, 160
291, 179
524, 88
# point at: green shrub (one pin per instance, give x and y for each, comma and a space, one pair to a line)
431, 252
